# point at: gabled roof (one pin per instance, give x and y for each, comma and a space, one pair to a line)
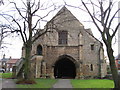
4, 59
91, 34
64, 11
12, 61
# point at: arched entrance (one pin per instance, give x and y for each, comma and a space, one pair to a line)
64, 68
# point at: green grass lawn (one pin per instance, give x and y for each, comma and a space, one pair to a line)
6, 75
92, 83
41, 83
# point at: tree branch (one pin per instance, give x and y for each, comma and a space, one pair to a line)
91, 16
25, 31
116, 30
20, 30
108, 15
113, 17
19, 11
38, 7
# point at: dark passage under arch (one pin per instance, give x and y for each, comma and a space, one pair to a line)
64, 68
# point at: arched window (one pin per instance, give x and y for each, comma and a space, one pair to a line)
39, 50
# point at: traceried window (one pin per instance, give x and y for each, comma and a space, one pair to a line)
62, 37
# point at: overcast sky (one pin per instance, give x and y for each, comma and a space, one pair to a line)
15, 43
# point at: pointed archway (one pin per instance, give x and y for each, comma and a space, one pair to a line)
64, 68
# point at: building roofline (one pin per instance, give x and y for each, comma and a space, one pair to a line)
118, 57
93, 36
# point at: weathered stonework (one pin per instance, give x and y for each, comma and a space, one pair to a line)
83, 53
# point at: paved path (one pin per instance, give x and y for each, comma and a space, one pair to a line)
7, 83
63, 83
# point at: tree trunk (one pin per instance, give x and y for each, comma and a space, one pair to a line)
28, 48
113, 67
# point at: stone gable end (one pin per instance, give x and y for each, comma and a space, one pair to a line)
68, 50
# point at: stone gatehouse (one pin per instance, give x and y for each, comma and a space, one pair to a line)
67, 50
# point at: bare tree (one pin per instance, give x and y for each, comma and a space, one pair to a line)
1, 2
3, 32
3, 35
103, 17
27, 27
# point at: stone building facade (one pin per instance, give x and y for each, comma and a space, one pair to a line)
67, 50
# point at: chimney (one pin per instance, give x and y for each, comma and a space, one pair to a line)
10, 58
4, 56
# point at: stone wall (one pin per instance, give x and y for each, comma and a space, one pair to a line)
82, 46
